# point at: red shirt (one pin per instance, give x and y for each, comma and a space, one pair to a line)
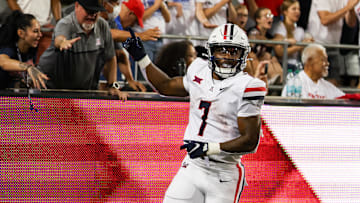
273, 5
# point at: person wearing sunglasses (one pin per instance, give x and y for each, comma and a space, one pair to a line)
81, 49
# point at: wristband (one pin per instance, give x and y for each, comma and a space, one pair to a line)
144, 62
213, 148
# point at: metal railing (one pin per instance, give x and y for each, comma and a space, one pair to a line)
285, 53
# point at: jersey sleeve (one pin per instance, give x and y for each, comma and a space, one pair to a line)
8, 51
253, 98
186, 81
192, 69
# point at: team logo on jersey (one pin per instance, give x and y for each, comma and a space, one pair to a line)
197, 79
98, 42
184, 164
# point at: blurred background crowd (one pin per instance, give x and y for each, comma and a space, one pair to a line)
68, 44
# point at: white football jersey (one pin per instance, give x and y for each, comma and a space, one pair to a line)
215, 105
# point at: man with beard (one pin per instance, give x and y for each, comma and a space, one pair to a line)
316, 65
82, 46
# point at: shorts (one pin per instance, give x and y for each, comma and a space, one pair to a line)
336, 63
351, 64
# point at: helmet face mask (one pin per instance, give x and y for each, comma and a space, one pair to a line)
228, 48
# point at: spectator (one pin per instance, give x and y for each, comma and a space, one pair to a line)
350, 72
263, 52
325, 25
19, 38
112, 16
183, 20
224, 119
288, 31
273, 5
81, 48
264, 20
5, 11
174, 58
46, 12
305, 6
123, 15
242, 16
156, 15
314, 86
212, 13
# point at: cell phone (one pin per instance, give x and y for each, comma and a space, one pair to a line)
266, 68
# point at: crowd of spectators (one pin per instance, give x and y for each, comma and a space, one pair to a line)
81, 40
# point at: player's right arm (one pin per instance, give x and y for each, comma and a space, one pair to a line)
158, 79
162, 83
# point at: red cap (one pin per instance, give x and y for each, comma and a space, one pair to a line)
137, 7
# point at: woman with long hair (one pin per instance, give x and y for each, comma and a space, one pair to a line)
287, 30
19, 39
264, 52
175, 57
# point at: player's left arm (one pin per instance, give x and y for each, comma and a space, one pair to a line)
249, 122
249, 128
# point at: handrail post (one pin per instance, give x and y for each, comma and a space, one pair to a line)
285, 62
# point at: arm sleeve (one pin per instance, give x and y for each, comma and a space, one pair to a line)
62, 28
109, 43
8, 51
253, 98
280, 29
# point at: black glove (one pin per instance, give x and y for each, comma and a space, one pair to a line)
195, 149
134, 46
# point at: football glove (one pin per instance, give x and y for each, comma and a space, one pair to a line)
134, 46
197, 149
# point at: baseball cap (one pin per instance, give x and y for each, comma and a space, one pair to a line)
137, 7
91, 5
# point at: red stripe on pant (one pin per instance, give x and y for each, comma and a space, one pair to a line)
240, 184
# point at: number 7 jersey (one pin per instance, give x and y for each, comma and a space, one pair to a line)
215, 105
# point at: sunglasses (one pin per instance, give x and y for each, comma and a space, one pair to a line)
269, 15
91, 12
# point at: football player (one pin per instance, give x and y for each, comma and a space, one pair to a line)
224, 118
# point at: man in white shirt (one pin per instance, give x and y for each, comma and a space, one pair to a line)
314, 86
325, 25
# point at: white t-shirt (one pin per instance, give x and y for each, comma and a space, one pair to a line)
155, 20
39, 8
215, 105
357, 12
218, 18
330, 34
185, 24
320, 90
298, 35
